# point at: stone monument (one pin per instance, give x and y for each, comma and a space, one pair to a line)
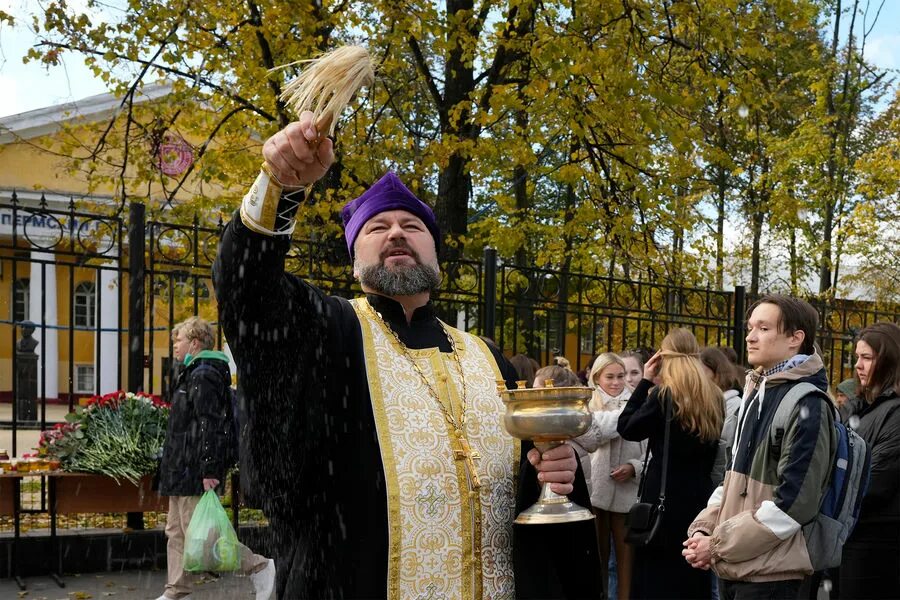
26, 374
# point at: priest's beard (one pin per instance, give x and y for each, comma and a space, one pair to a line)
399, 280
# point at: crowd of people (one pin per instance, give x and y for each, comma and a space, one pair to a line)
716, 404
371, 433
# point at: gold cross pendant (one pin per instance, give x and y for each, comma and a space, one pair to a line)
465, 452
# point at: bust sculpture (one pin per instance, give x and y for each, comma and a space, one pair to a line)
27, 344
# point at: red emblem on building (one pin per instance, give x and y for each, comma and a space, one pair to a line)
174, 155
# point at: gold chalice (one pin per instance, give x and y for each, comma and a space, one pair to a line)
548, 416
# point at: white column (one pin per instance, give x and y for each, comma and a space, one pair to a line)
42, 288
108, 316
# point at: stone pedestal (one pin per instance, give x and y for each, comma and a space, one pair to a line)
26, 387
26, 375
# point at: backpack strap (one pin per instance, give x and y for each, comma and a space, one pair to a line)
789, 403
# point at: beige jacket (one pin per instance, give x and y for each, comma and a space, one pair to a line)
755, 517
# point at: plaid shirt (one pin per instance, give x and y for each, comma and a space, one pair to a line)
777, 368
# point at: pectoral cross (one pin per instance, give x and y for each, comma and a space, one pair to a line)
465, 452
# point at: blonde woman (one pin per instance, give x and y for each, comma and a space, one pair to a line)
697, 418
615, 464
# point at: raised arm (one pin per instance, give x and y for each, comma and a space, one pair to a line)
642, 415
275, 323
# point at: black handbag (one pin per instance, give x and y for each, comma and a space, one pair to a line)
644, 518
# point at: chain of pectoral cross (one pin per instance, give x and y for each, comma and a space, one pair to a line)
463, 451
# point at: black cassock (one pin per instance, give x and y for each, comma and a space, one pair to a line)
309, 449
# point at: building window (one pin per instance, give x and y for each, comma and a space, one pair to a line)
85, 304
591, 337
84, 379
21, 299
586, 341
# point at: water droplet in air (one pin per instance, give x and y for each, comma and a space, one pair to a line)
804, 412
854, 421
743, 111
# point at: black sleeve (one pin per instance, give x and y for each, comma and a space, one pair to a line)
569, 570
276, 327
506, 369
208, 395
642, 416
554, 561
884, 479
256, 297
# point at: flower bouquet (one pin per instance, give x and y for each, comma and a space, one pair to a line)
119, 434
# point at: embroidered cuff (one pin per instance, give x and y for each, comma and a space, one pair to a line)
269, 208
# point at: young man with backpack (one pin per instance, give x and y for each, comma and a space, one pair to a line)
198, 451
760, 531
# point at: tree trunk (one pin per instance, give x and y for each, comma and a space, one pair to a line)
452, 206
839, 125
524, 314
563, 300
455, 182
721, 183
721, 177
520, 192
795, 284
825, 259
757, 223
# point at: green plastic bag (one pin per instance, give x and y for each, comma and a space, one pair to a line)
210, 543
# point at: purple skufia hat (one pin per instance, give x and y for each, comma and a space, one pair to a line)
388, 193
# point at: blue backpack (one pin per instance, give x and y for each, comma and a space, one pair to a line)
847, 484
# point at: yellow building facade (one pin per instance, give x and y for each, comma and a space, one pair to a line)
64, 259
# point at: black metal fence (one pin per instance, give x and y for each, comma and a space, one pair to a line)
157, 274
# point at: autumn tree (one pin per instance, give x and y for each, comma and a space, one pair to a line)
609, 138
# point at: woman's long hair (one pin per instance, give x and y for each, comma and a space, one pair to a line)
884, 338
526, 368
726, 376
699, 405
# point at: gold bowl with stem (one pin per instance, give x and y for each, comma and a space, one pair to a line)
548, 416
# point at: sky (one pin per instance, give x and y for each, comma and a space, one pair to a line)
28, 87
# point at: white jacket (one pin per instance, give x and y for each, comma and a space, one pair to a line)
608, 451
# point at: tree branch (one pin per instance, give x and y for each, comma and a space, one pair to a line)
171, 71
422, 66
171, 195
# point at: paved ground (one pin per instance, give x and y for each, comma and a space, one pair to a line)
136, 585
126, 585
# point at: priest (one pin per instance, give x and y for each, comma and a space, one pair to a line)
372, 435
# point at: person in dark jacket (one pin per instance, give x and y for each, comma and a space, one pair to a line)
698, 414
869, 568
846, 399
198, 451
